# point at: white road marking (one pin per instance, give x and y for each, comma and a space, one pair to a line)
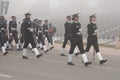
6, 76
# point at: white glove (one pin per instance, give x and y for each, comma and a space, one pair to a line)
31, 29
79, 33
80, 30
96, 31
36, 37
40, 31
46, 30
10, 34
43, 35
95, 34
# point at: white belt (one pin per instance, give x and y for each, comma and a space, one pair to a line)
79, 33
40, 31
46, 30
13, 28
2, 28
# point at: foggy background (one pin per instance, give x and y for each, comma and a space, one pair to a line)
55, 11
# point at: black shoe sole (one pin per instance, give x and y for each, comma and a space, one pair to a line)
88, 63
46, 51
62, 55
24, 57
71, 64
102, 62
40, 55
76, 54
5, 53
51, 48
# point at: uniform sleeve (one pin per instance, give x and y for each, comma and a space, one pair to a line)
90, 31
23, 27
96, 29
10, 27
73, 29
5, 25
65, 27
43, 27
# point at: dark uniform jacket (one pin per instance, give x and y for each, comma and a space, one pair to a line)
91, 29
3, 24
12, 24
75, 29
27, 23
45, 27
67, 26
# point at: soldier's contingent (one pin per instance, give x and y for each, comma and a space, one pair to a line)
33, 35
92, 38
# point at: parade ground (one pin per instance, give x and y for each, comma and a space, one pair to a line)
52, 66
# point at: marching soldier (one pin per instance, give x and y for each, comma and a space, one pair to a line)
92, 38
46, 33
3, 25
13, 32
67, 26
2, 39
27, 30
67, 35
40, 36
51, 32
77, 40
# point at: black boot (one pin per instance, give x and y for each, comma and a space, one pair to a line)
40, 55
5, 53
51, 47
103, 61
41, 48
71, 63
88, 63
25, 57
46, 51
76, 54
62, 54
11, 49
18, 49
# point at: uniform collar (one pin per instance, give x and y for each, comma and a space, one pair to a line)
93, 22
75, 21
69, 21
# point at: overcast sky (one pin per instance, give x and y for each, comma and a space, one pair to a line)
58, 8
107, 11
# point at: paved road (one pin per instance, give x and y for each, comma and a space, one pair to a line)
53, 67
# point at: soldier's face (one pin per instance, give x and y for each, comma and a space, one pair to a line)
2, 18
94, 19
40, 22
46, 22
13, 19
76, 18
29, 16
69, 19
